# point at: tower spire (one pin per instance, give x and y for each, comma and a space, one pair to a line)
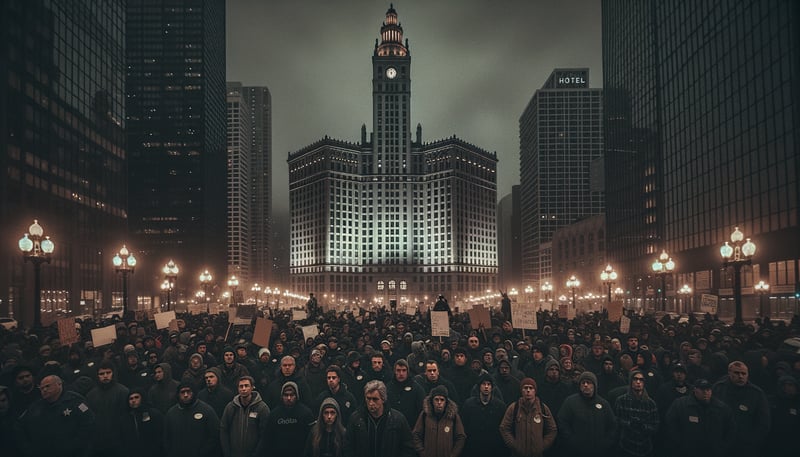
392, 36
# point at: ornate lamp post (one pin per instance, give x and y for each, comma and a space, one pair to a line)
170, 275
608, 276
762, 288
125, 263
36, 249
233, 283
662, 267
257, 289
528, 292
205, 281
547, 289
737, 256
573, 283
685, 291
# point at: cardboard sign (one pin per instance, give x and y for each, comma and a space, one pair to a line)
709, 303
310, 331
163, 319
440, 324
411, 310
262, 332
298, 315
67, 332
625, 325
242, 314
523, 315
103, 336
479, 315
615, 310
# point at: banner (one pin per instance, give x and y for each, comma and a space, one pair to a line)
440, 323
708, 303
163, 319
103, 336
523, 315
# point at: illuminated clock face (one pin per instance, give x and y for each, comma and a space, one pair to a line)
391, 73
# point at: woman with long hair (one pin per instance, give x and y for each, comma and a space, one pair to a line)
327, 434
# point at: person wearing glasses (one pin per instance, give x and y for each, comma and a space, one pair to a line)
59, 423
638, 418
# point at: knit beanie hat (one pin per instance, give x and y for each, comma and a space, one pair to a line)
552, 363
587, 375
291, 385
527, 382
439, 390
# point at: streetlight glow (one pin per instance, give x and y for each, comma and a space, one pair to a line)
737, 256
37, 250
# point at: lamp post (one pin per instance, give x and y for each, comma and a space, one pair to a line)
737, 256
528, 292
573, 283
762, 288
125, 263
608, 276
205, 281
170, 275
685, 291
233, 283
663, 266
547, 289
36, 249
257, 289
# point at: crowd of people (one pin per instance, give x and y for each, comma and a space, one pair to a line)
375, 383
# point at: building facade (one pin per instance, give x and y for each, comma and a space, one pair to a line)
561, 144
240, 141
62, 120
509, 258
391, 219
176, 138
702, 102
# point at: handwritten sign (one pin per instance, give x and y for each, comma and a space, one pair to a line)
67, 332
523, 315
310, 331
479, 315
624, 325
709, 303
163, 319
103, 336
440, 324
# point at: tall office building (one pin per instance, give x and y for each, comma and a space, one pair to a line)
393, 218
509, 257
561, 144
62, 120
702, 106
240, 140
176, 137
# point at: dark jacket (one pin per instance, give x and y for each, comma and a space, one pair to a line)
242, 429
482, 427
63, 428
162, 394
142, 432
109, 402
191, 431
406, 397
287, 429
694, 429
531, 432
394, 435
346, 402
751, 412
217, 398
587, 426
439, 435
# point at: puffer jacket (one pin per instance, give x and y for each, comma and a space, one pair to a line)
439, 436
532, 432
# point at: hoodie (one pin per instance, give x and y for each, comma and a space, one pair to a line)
243, 427
162, 393
439, 435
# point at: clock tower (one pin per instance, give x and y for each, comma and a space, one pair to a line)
391, 100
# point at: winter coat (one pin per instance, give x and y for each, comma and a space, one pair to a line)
109, 403
68, 424
142, 431
287, 429
482, 427
587, 425
531, 432
406, 397
217, 398
242, 428
191, 431
694, 429
162, 394
439, 436
395, 439
751, 412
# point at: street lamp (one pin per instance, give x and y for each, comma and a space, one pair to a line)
125, 263
170, 275
528, 292
736, 256
762, 288
37, 249
233, 283
608, 276
257, 289
573, 283
685, 291
662, 267
547, 288
205, 281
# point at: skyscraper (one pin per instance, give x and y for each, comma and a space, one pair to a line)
62, 143
240, 141
702, 106
176, 136
561, 143
391, 218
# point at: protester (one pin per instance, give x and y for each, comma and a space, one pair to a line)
191, 427
481, 416
528, 427
439, 431
243, 425
326, 438
376, 430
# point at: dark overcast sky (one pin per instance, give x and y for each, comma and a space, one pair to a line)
474, 66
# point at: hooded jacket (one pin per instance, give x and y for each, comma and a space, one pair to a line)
587, 425
109, 402
162, 393
191, 430
324, 443
142, 430
242, 428
439, 435
288, 427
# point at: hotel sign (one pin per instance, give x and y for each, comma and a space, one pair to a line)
571, 79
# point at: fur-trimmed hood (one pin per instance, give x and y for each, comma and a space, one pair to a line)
450, 409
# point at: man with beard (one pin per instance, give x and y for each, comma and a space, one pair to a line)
439, 430
288, 424
142, 428
194, 372
482, 415
353, 376
528, 427
60, 423
191, 427
609, 378
637, 417
243, 424
24, 391
215, 394
586, 422
378, 369
553, 391
109, 402
506, 383
230, 370
314, 373
404, 394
